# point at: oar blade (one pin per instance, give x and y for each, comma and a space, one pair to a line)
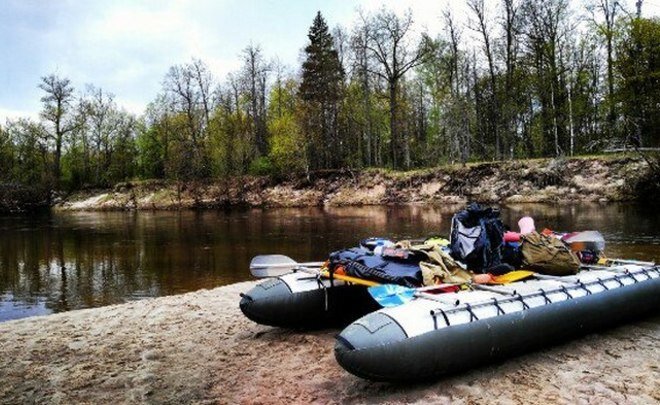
391, 295
512, 276
625, 261
271, 265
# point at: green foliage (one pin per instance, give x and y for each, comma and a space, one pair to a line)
6, 157
282, 98
364, 118
150, 148
73, 169
231, 147
261, 166
32, 165
221, 143
288, 146
548, 93
123, 164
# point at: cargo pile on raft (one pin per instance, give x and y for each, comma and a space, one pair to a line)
421, 309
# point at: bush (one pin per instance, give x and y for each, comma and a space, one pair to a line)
647, 186
19, 198
261, 166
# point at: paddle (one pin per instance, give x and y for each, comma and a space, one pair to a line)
610, 264
511, 277
349, 279
276, 265
390, 295
624, 261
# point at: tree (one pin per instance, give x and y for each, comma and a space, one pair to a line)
287, 141
457, 111
6, 156
547, 25
638, 66
511, 103
31, 159
365, 105
607, 29
389, 44
187, 90
254, 74
149, 153
322, 77
482, 26
121, 156
361, 72
99, 107
203, 79
57, 106
277, 96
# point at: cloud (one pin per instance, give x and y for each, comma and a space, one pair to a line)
9, 114
126, 46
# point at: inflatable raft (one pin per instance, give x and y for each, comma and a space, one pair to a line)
303, 300
426, 338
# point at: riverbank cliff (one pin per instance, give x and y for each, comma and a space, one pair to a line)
541, 180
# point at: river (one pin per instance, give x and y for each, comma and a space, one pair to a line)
60, 261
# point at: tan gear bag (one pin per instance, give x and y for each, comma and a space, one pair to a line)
548, 255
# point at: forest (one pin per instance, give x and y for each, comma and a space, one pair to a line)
516, 80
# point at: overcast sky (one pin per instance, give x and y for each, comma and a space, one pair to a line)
126, 46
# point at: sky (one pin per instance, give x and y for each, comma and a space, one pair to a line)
127, 46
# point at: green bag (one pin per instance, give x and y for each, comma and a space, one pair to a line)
548, 255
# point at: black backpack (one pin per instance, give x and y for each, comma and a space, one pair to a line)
477, 237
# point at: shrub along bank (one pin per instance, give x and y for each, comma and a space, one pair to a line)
19, 198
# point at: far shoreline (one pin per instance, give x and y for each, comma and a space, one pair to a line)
592, 179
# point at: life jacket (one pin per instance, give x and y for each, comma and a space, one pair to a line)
476, 237
437, 265
400, 267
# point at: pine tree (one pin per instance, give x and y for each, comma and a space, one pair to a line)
321, 92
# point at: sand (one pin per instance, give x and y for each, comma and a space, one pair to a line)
198, 348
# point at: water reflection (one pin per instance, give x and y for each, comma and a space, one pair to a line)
62, 261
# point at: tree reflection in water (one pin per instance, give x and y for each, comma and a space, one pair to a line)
62, 261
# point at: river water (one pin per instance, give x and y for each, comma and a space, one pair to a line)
59, 261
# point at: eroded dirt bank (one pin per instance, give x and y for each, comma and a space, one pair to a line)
198, 348
541, 180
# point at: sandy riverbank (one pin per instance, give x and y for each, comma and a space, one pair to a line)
197, 347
